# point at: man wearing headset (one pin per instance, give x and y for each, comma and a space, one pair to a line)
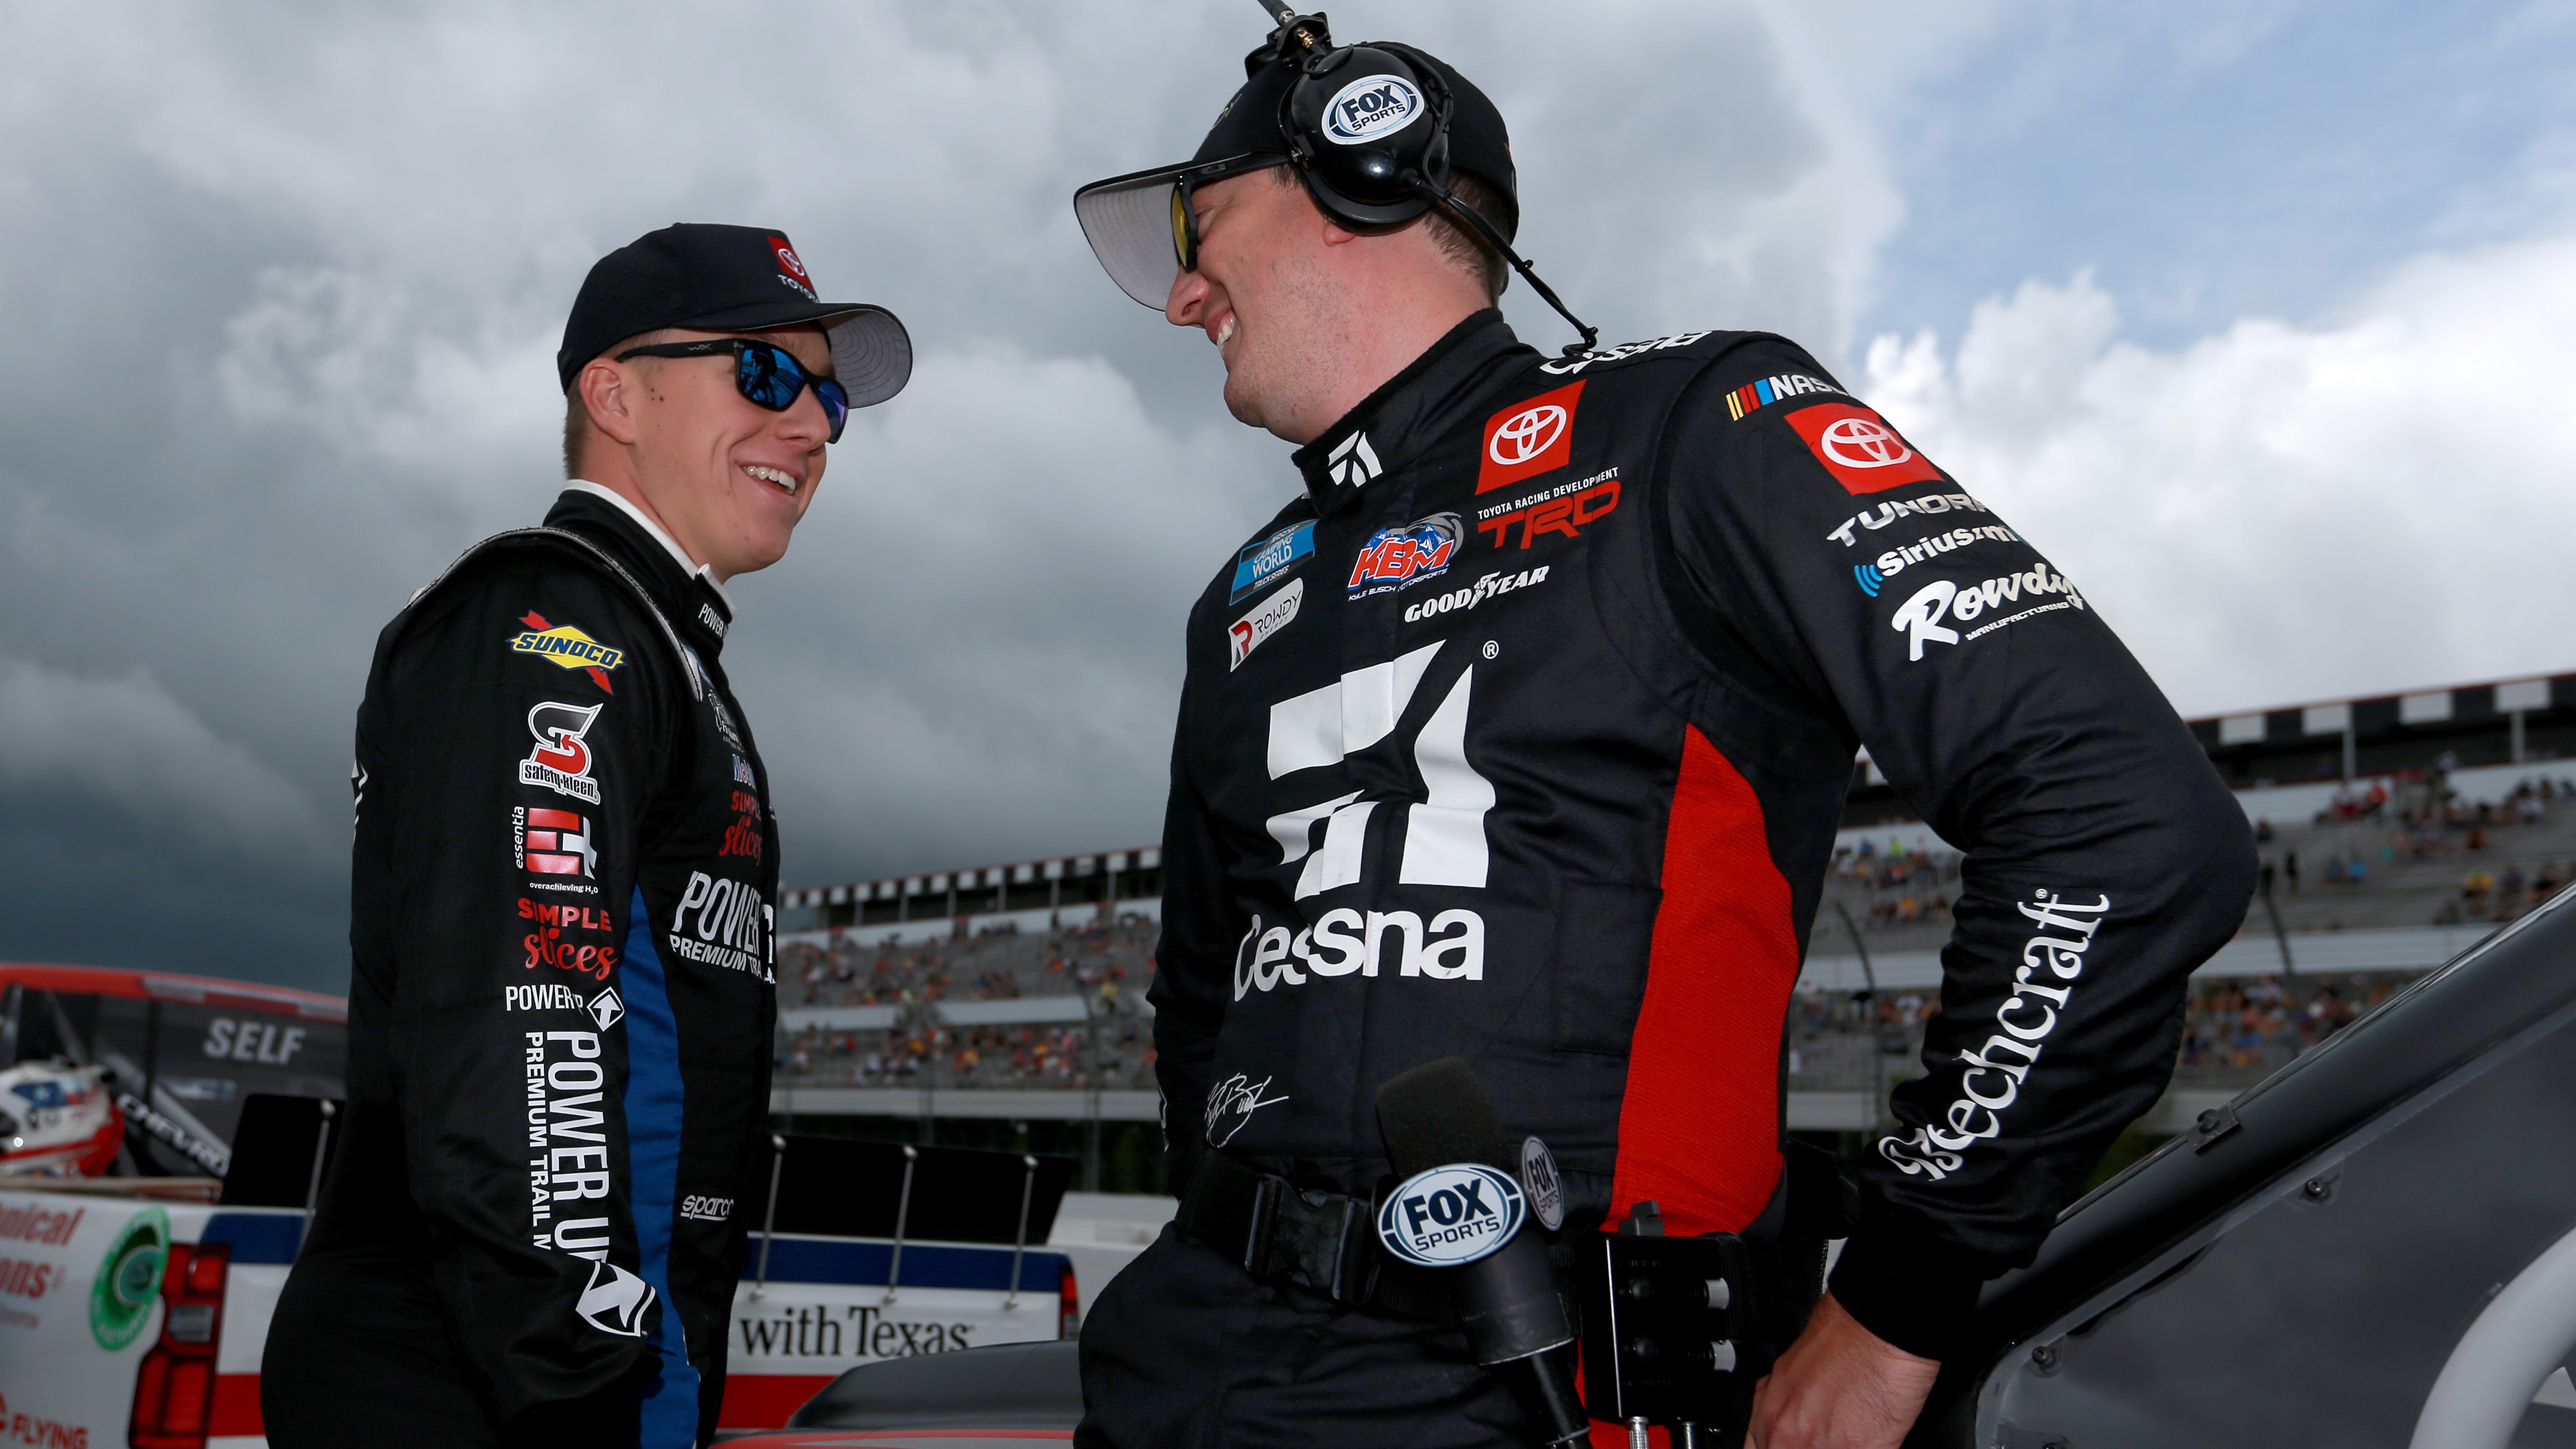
1522, 735
563, 1005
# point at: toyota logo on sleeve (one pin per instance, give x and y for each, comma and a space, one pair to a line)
1859, 449
1860, 443
1529, 437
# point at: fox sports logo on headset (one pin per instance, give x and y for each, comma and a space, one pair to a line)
1371, 107
1451, 1215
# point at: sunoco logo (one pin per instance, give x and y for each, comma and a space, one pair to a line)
1370, 107
1451, 1215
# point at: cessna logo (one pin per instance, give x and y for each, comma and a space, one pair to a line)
1451, 1215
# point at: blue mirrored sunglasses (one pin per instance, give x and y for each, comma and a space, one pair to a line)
767, 374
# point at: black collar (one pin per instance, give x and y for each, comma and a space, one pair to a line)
692, 605
1416, 406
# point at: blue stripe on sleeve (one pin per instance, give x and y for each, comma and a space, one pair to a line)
654, 1106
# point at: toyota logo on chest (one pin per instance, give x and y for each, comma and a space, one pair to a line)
1529, 437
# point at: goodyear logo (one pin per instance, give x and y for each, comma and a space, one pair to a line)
567, 648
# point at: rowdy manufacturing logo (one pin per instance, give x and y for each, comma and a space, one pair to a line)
1247, 633
1451, 1215
1919, 617
1400, 557
1370, 107
1264, 563
561, 761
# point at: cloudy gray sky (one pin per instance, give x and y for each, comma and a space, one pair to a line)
2255, 314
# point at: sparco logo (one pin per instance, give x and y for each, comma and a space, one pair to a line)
1451, 1215
1370, 107
2006, 1060
1526, 434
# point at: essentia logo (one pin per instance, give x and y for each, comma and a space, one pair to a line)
1396, 558
1370, 107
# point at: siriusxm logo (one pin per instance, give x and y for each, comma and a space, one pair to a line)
1870, 578
1264, 563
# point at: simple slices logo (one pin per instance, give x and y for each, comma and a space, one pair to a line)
561, 761
1400, 557
1858, 447
1247, 633
566, 647
1529, 439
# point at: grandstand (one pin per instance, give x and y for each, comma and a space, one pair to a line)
2395, 831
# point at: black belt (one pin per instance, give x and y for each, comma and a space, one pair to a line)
1324, 1241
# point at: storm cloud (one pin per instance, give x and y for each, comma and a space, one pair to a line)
285, 281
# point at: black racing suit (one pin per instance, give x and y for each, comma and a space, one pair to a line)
561, 1019
1524, 737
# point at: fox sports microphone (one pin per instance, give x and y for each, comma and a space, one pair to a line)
1460, 1209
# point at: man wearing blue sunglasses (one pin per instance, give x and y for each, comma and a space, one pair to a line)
563, 899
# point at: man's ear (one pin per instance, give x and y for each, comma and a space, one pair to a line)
608, 392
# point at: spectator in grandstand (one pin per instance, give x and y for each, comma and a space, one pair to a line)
1575, 835
554, 787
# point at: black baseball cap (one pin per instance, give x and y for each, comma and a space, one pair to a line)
729, 279
1128, 219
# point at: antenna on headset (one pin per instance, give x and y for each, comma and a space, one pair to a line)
1309, 32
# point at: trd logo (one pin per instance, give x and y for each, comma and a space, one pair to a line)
1565, 515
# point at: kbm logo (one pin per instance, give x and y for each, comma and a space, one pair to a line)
1370, 107
1396, 557
1451, 1215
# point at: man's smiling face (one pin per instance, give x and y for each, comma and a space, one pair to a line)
728, 477
1260, 294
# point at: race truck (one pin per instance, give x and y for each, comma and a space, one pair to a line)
134, 1306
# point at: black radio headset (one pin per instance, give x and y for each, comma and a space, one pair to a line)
1367, 129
